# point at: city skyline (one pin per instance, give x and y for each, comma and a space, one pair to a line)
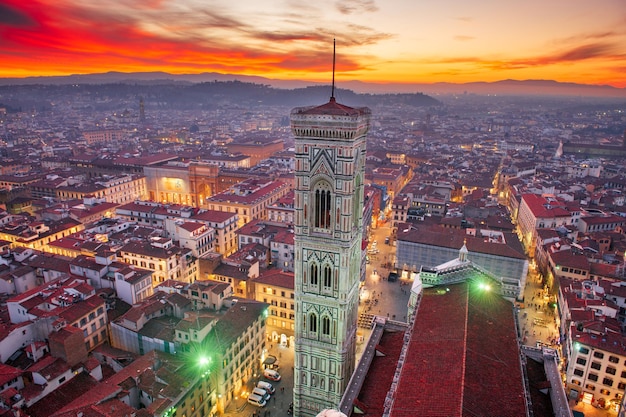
379, 42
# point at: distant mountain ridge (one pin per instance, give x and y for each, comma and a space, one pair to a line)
188, 95
505, 87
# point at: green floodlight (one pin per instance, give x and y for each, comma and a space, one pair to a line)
204, 361
484, 286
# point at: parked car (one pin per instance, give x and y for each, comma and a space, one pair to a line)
261, 393
256, 400
266, 386
271, 374
393, 277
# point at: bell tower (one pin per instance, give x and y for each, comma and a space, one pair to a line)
330, 169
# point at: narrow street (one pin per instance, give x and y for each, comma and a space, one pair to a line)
538, 316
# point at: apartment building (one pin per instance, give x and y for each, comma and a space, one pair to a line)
193, 235
153, 214
282, 250
224, 225
68, 302
539, 212
160, 255
119, 189
179, 391
276, 288
26, 233
238, 343
601, 223
208, 294
257, 148
260, 231
249, 199
167, 217
93, 137
282, 210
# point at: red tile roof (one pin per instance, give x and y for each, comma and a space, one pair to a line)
462, 359
542, 208
276, 278
380, 374
332, 108
8, 373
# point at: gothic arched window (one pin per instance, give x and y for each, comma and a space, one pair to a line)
327, 276
313, 323
313, 275
322, 205
326, 326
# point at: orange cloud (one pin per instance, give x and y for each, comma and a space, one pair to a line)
46, 37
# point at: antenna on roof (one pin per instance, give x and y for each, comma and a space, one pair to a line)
332, 92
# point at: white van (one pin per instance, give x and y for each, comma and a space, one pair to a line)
271, 374
266, 386
256, 400
261, 393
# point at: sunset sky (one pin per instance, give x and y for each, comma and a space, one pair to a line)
399, 41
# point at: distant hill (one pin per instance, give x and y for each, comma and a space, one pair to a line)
504, 87
168, 94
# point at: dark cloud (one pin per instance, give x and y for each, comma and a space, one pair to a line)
356, 6
585, 52
293, 36
357, 35
218, 20
578, 53
606, 51
587, 37
13, 17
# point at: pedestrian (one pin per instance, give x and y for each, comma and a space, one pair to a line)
282, 389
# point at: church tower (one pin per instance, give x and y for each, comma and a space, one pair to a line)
329, 183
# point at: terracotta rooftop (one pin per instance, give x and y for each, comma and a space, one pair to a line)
452, 238
277, 278
542, 208
462, 358
332, 108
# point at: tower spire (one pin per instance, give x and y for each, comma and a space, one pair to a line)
332, 92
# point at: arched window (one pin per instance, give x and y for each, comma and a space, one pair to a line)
313, 323
327, 276
321, 215
326, 326
314, 272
